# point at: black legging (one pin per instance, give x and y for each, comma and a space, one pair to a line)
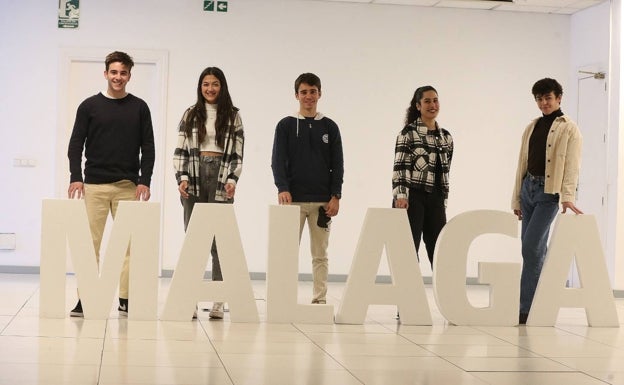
427, 216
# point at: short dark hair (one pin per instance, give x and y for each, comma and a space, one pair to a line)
545, 86
120, 57
307, 78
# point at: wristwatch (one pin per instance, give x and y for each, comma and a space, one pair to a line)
337, 196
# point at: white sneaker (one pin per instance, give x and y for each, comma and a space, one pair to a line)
217, 311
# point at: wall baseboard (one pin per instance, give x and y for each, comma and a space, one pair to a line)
260, 276
19, 269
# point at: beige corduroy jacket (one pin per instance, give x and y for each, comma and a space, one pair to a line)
563, 160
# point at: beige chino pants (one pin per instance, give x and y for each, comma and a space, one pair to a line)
319, 240
101, 199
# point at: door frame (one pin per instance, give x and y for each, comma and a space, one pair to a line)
584, 74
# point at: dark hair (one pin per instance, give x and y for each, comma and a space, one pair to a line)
545, 86
412, 112
120, 57
307, 78
226, 112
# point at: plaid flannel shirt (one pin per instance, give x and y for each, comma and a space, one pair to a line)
186, 157
415, 156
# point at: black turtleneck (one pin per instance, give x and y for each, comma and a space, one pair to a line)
537, 144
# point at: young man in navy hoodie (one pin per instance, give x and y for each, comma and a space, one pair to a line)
308, 168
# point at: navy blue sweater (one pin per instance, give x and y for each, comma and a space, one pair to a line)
307, 158
113, 133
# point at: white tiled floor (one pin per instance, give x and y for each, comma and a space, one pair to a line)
382, 351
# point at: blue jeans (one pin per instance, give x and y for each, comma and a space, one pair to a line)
538, 211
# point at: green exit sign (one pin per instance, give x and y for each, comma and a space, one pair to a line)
219, 6
222, 6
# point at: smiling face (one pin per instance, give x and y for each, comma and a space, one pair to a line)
210, 89
548, 103
428, 105
117, 75
308, 97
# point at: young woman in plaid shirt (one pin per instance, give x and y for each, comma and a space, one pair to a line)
422, 161
208, 159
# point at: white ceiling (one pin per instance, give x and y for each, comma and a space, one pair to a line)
541, 6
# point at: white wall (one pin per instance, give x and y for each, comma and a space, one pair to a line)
598, 45
370, 59
590, 50
616, 248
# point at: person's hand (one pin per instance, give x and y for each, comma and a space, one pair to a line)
518, 213
142, 193
332, 207
284, 198
571, 206
401, 203
230, 189
182, 187
75, 190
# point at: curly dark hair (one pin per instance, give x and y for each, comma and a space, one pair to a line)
412, 112
545, 86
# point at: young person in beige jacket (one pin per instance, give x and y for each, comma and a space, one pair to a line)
548, 171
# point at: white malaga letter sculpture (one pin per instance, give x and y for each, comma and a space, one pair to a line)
449, 271
65, 225
574, 237
389, 228
208, 221
283, 272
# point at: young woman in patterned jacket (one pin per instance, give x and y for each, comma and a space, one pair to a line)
208, 159
422, 161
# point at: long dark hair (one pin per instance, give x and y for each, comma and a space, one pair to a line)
226, 112
412, 112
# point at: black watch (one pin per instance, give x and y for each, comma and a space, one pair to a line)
337, 196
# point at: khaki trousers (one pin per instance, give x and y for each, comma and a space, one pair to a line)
101, 199
319, 240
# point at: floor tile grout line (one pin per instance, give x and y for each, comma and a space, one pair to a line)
19, 310
102, 352
588, 337
201, 323
329, 354
551, 359
422, 346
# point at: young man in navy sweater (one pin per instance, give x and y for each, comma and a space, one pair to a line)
115, 130
307, 165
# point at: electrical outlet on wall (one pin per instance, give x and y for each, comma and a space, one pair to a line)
7, 241
24, 162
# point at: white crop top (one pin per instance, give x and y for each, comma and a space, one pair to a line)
210, 142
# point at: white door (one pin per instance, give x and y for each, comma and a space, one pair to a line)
81, 76
592, 120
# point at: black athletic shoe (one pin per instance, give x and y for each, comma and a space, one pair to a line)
77, 311
123, 307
